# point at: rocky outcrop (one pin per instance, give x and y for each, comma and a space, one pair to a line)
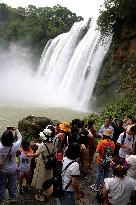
118, 72
31, 126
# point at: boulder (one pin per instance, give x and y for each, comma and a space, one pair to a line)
31, 126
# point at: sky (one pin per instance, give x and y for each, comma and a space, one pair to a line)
84, 8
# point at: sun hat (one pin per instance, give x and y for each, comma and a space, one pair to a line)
47, 132
107, 132
65, 127
42, 136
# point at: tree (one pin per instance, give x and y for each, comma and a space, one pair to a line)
36, 26
114, 13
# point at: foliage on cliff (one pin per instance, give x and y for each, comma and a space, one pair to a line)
114, 13
35, 26
116, 84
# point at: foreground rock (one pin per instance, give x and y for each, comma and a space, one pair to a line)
31, 126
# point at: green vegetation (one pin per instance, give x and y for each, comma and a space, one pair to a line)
35, 26
114, 13
116, 85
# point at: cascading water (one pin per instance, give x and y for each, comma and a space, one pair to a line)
70, 66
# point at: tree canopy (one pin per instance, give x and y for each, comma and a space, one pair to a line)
114, 13
35, 26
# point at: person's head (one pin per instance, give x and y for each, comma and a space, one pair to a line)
7, 138
25, 145
48, 134
130, 120
90, 124
73, 151
52, 128
64, 127
107, 134
119, 167
107, 122
132, 130
75, 123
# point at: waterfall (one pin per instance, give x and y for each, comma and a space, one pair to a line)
70, 66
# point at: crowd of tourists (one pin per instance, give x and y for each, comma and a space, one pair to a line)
63, 154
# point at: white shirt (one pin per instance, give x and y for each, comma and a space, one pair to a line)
120, 189
10, 163
132, 166
72, 170
129, 141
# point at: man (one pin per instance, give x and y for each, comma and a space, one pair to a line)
126, 141
104, 153
107, 125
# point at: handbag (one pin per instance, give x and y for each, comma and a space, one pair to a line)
2, 161
50, 162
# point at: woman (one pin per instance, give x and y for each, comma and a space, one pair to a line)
41, 173
70, 177
118, 189
8, 170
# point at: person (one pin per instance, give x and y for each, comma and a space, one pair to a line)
93, 134
70, 177
8, 171
41, 173
126, 141
131, 160
104, 153
118, 189
24, 165
107, 125
118, 129
83, 136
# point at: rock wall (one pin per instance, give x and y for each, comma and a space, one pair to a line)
118, 73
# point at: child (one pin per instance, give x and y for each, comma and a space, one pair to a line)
24, 165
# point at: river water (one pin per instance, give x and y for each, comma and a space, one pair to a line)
11, 115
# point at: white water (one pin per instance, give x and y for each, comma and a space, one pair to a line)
66, 75
71, 64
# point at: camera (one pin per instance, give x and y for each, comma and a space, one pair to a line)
11, 128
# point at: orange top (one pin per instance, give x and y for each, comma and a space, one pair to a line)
100, 148
29, 151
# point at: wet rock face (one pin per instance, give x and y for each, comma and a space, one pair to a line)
32, 126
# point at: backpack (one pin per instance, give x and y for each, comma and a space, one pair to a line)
82, 136
56, 181
124, 137
50, 162
108, 154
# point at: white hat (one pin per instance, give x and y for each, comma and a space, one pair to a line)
47, 132
42, 136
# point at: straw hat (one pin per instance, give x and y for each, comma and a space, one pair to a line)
107, 132
65, 127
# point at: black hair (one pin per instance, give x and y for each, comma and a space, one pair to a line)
119, 172
76, 123
120, 123
129, 116
25, 145
133, 129
90, 123
51, 127
73, 151
106, 137
7, 138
